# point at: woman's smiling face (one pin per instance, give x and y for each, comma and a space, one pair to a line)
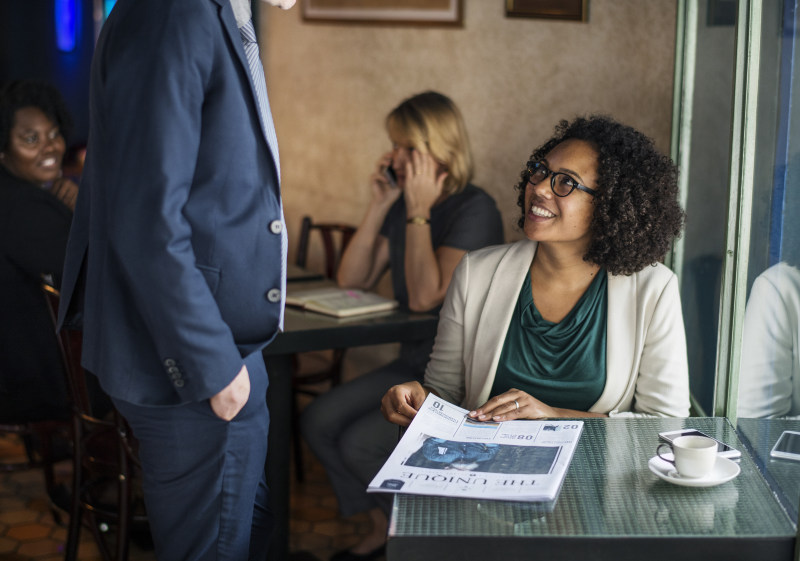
35, 147
549, 218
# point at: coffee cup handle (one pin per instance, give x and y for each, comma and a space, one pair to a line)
658, 452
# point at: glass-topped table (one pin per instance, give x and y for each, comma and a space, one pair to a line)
783, 476
611, 506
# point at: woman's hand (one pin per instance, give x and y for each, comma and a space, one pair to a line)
401, 402
424, 184
511, 405
66, 191
383, 193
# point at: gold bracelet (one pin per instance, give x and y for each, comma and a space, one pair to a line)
421, 220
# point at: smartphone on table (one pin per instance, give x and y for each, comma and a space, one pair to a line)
787, 446
722, 449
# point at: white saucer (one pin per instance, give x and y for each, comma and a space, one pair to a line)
724, 470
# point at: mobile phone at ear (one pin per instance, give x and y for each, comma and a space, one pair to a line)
787, 446
722, 449
390, 175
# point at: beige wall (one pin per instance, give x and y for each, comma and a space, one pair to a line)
331, 86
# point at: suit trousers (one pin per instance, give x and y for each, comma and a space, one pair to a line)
345, 429
203, 478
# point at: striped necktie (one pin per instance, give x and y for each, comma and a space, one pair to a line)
248, 33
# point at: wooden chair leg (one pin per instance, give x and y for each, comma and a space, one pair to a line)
76, 510
297, 443
97, 532
124, 503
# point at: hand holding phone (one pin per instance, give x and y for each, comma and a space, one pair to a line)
390, 175
722, 449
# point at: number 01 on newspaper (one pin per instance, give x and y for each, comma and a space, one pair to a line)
444, 452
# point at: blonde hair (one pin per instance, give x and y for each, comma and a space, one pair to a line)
431, 123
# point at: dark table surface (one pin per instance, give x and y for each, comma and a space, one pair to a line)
295, 273
611, 506
309, 331
783, 476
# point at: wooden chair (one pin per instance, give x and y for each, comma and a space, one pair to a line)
334, 237
105, 460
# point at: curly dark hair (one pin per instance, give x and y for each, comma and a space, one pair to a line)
19, 94
636, 212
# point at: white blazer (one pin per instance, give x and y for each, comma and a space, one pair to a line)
646, 366
769, 375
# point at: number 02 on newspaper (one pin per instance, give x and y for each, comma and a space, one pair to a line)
444, 452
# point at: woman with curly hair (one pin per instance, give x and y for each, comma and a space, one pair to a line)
36, 204
580, 319
33, 123
35, 217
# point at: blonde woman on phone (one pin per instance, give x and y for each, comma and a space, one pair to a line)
423, 216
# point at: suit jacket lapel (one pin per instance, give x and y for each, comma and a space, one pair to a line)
229, 24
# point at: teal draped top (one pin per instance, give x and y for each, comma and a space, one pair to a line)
561, 364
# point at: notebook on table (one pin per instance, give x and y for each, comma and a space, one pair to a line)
340, 302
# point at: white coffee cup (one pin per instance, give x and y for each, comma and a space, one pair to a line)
695, 456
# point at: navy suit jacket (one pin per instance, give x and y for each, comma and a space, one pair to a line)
176, 239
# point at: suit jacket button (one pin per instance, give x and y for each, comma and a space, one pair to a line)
178, 383
274, 295
169, 362
174, 370
276, 227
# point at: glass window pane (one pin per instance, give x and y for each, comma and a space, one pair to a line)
769, 374
706, 203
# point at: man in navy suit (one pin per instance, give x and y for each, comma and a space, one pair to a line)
175, 263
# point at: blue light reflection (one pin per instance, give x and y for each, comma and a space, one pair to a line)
108, 5
67, 19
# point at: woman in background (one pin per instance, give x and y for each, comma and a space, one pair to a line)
580, 319
424, 215
36, 205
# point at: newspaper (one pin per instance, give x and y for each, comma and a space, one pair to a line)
444, 452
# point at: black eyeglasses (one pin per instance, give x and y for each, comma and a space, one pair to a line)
561, 183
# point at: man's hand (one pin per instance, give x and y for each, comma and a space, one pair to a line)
227, 403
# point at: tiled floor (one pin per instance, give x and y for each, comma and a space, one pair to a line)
28, 531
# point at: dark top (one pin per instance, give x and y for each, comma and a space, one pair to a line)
561, 364
33, 235
465, 220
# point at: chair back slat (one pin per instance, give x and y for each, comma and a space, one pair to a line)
335, 237
69, 345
